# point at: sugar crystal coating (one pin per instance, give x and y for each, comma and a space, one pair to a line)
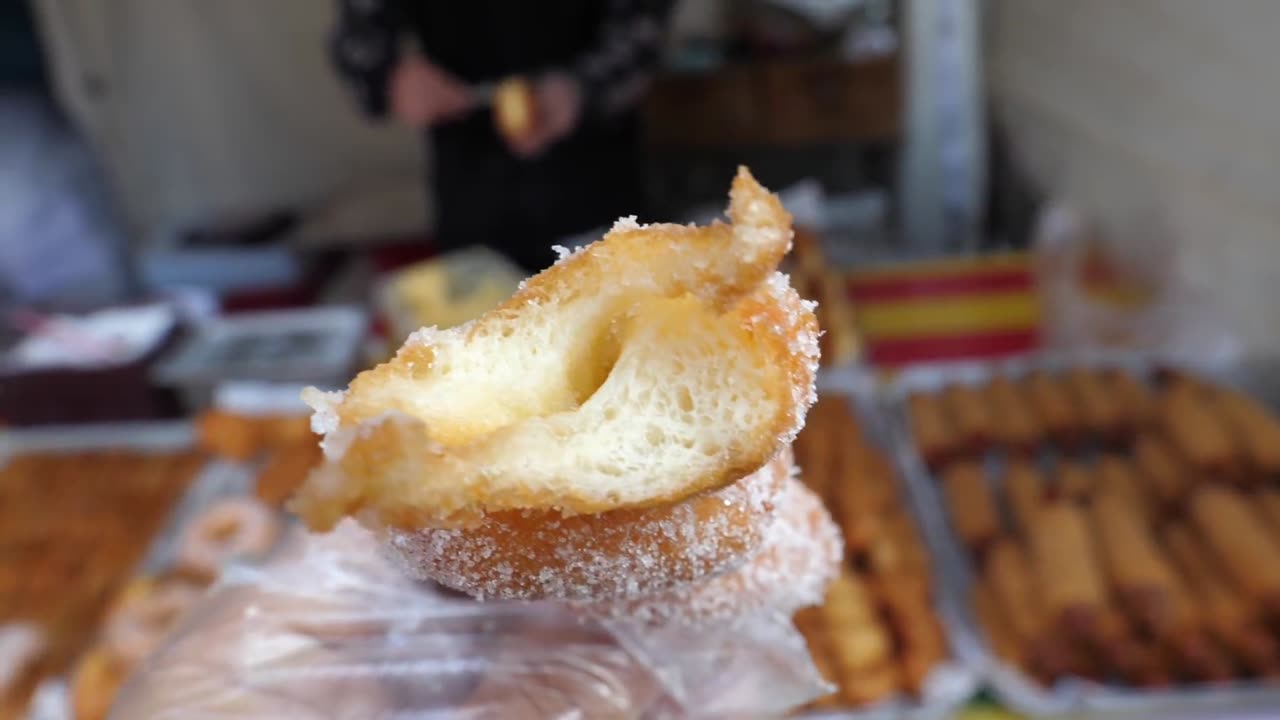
614, 555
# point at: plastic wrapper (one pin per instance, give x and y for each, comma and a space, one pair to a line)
329, 629
1105, 294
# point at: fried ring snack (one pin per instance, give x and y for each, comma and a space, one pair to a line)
659, 362
617, 554
799, 557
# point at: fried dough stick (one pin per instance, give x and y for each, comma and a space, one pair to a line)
972, 506
932, 430
1067, 574
1256, 429
1013, 423
1024, 490
1052, 404
971, 414
1100, 411
1198, 433
1167, 482
1239, 540
1073, 481
1132, 396
861, 648
1232, 621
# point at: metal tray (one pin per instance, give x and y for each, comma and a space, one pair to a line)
1013, 687
951, 684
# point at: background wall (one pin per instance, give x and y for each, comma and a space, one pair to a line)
201, 108
1162, 119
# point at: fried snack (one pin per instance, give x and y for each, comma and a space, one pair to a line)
1231, 620
1239, 540
1131, 396
1164, 478
143, 622
657, 363
1116, 475
1200, 436
286, 470
515, 107
812, 626
94, 685
996, 626
234, 528
918, 636
1013, 424
863, 495
1068, 579
932, 430
1024, 489
798, 558
861, 648
1011, 582
839, 341
1255, 428
618, 554
1142, 577
971, 505
898, 551
1269, 506
234, 437
817, 447
971, 414
1099, 410
1051, 402
1073, 481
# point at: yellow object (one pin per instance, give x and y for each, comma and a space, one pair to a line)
447, 291
912, 318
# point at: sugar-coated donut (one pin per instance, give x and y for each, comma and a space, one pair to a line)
655, 364
622, 553
232, 528
143, 621
798, 558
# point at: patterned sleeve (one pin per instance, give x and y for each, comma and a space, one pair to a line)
616, 72
365, 47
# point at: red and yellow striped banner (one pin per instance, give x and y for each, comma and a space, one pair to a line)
949, 309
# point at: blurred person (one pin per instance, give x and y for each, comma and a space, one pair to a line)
577, 167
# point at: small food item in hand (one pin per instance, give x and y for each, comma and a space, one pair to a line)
235, 528
972, 506
515, 107
646, 371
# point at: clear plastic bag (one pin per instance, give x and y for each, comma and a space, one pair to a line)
328, 629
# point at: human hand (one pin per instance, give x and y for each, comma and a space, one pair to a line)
422, 94
557, 107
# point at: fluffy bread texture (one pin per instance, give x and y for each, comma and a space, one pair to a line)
615, 554
656, 363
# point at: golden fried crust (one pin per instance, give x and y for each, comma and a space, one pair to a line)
541, 554
644, 286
